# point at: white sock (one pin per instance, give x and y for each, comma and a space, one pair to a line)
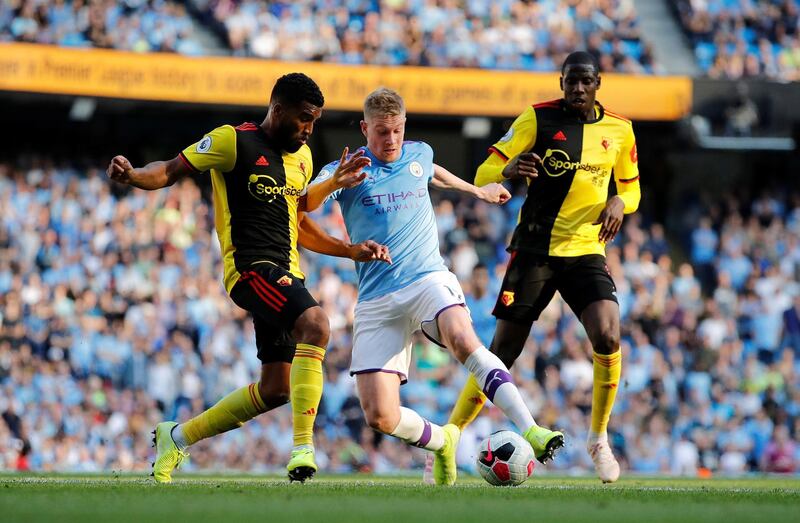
494, 378
416, 430
179, 437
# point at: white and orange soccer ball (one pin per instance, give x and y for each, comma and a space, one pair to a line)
505, 459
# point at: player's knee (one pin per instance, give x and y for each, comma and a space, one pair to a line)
312, 327
274, 394
606, 341
460, 342
380, 420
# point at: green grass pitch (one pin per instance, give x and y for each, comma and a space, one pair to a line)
358, 499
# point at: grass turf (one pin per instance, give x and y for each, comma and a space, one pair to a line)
359, 499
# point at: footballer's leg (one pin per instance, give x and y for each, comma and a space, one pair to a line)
586, 285
382, 351
171, 439
508, 342
311, 330
379, 393
456, 332
281, 300
601, 320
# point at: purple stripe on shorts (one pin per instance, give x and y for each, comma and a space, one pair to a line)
403, 377
426, 435
495, 378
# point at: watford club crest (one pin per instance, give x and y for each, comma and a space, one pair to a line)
284, 281
507, 298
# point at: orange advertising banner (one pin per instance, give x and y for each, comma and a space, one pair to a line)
248, 82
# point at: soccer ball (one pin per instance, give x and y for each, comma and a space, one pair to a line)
505, 459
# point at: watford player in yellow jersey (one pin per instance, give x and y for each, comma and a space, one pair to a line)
259, 174
568, 151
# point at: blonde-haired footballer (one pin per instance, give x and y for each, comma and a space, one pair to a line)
390, 202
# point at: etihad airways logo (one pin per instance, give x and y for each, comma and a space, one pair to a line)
393, 197
556, 162
264, 187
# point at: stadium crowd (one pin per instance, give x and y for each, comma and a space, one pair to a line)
736, 39
507, 34
113, 318
133, 25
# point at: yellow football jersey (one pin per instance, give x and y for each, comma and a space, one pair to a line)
257, 188
579, 159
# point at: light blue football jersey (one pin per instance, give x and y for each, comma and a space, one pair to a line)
392, 207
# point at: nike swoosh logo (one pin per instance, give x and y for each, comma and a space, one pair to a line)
489, 456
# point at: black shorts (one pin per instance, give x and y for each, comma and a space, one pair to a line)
275, 298
532, 280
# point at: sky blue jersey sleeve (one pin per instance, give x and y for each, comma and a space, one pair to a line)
427, 151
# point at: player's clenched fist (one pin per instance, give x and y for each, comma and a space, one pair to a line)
494, 193
370, 251
524, 165
120, 169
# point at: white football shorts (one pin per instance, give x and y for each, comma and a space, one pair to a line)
383, 326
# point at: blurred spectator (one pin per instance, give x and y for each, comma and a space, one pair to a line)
741, 117
743, 38
480, 301
780, 454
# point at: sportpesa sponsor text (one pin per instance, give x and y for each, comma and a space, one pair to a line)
265, 188
557, 162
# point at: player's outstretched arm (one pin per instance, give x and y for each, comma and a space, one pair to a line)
491, 193
314, 238
154, 175
347, 174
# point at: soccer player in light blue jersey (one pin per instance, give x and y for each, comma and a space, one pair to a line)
388, 201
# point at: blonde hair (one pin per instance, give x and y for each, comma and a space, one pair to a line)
384, 102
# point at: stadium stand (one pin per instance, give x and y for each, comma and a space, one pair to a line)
736, 39
112, 317
533, 36
134, 25
497, 35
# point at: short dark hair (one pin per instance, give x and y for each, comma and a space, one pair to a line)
581, 58
296, 88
